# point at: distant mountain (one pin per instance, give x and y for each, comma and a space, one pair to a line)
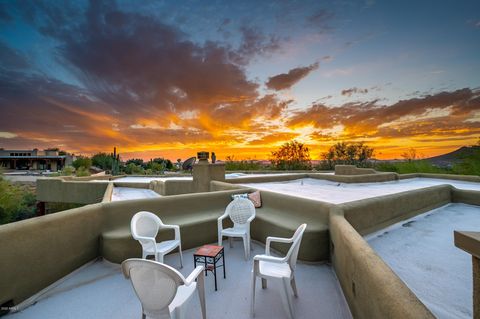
448, 159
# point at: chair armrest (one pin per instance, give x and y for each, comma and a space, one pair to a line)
268, 258
146, 238
249, 220
193, 275
278, 240
219, 221
176, 228
225, 215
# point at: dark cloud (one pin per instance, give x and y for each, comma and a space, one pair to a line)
441, 114
287, 80
354, 90
254, 43
142, 81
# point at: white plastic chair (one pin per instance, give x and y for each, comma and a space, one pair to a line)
145, 227
279, 268
162, 290
241, 211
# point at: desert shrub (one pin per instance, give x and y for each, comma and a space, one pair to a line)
469, 163
82, 171
242, 165
133, 169
410, 166
16, 202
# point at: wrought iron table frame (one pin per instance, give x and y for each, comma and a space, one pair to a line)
210, 263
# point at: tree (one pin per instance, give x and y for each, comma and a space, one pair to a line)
349, 153
291, 155
82, 161
102, 160
410, 154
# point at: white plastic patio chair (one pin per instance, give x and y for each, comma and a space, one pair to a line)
279, 268
241, 211
162, 290
145, 227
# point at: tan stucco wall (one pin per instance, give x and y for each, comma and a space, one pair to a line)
352, 170
371, 214
77, 192
42, 250
107, 197
197, 216
172, 187
371, 288
37, 252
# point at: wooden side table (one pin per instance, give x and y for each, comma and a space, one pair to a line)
209, 256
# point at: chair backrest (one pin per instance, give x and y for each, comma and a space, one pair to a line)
145, 224
240, 210
293, 251
155, 284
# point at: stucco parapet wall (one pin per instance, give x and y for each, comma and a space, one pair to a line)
266, 179
364, 178
107, 197
371, 288
86, 178
370, 214
222, 186
172, 187
39, 251
466, 178
465, 196
352, 170
77, 192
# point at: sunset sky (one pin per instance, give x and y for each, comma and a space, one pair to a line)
170, 78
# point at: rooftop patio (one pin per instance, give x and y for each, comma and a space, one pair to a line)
421, 251
99, 290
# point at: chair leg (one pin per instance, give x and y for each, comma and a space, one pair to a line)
230, 240
220, 238
252, 303
286, 298
294, 287
159, 257
201, 295
264, 283
246, 248
181, 256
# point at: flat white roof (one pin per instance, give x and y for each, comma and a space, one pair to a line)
126, 193
337, 193
422, 253
100, 291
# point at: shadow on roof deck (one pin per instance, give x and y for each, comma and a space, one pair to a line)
99, 290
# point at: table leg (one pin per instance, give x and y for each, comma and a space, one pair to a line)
223, 261
205, 263
215, 271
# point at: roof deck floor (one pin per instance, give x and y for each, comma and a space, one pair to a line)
99, 290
